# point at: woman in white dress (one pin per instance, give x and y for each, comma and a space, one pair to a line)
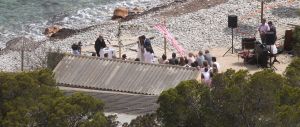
148, 56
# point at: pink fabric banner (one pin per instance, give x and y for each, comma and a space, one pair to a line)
163, 29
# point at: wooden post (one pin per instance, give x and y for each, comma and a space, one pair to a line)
22, 55
262, 11
119, 39
165, 39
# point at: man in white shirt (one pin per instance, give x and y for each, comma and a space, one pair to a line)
263, 29
214, 60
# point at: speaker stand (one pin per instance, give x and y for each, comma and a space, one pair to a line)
231, 44
272, 64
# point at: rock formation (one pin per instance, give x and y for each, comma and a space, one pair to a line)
51, 30
120, 12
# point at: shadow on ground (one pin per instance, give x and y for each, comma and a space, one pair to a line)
249, 67
286, 12
243, 30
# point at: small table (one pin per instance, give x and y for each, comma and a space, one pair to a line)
109, 51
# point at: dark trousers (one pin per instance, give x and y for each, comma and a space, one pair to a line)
263, 38
97, 52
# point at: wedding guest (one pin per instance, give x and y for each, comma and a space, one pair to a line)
206, 76
137, 59
208, 57
263, 29
186, 61
141, 48
181, 61
191, 58
75, 49
215, 69
99, 46
200, 58
148, 56
173, 60
124, 57
163, 60
214, 60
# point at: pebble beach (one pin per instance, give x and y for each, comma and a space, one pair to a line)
200, 28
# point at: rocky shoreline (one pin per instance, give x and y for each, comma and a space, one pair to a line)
195, 27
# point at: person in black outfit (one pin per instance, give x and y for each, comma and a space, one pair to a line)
173, 60
271, 38
147, 43
271, 34
99, 45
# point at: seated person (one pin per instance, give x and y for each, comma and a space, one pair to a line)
195, 64
173, 60
75, 49
124, 57
191, 58
106, 55
186, 62
163, 60
137, 59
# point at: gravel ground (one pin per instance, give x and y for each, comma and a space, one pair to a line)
195, 27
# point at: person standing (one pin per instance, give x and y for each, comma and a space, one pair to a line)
200, 58
148, 56
99, 46
214, 60
263, 29
208, 57
271, 38
206, 76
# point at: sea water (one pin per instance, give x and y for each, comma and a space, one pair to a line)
30, 17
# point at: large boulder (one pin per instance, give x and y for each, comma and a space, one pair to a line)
64, 33
120, 12
51, 30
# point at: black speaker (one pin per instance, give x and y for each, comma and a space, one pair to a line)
262, 55
288, 40
232, 21
270, 38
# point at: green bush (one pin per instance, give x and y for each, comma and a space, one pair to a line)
296, 38
32, 100
292, 72
53, 58
236, 99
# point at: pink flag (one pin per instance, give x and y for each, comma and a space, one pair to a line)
163, 29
